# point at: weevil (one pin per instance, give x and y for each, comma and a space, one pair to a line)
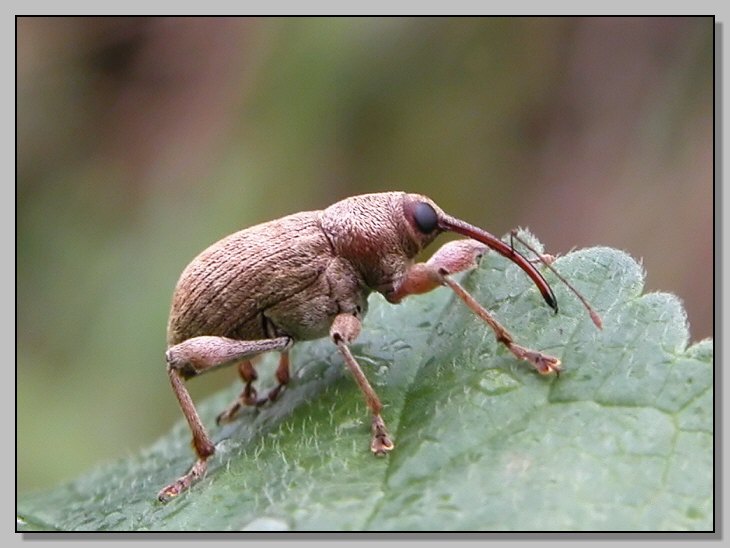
307, 276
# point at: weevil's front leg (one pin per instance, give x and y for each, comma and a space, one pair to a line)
543, 363
194, 357
459, 256
450, 258
344, 330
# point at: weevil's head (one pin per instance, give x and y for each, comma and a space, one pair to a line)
381, 233
427, 218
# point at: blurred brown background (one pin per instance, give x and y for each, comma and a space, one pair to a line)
143, 140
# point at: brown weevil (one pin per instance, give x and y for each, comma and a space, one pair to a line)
306, 276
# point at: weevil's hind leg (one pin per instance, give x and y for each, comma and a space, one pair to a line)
202, 443
344, 330
459, 256
248, 396
194, 357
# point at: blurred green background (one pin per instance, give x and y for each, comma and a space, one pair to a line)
140, 141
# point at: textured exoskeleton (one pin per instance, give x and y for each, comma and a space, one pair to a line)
307, 276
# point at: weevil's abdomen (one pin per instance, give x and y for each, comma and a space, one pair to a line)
276, 278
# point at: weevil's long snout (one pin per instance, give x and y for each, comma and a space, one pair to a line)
447, 222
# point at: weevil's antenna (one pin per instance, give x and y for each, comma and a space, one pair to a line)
446, 222
594, 315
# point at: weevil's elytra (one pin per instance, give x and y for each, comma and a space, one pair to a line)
306, 276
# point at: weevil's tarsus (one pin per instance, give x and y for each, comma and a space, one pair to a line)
184, 482
548, 260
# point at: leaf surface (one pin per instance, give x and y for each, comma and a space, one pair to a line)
622, 440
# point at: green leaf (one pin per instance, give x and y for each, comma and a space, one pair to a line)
622, 440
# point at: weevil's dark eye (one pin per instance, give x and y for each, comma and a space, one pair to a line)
425, 217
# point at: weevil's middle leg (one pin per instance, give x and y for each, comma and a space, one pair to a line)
344, 330
460, 256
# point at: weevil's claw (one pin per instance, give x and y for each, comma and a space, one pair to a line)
169, 493
381, 443
545, 364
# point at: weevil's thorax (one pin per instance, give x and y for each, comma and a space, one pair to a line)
373, 233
